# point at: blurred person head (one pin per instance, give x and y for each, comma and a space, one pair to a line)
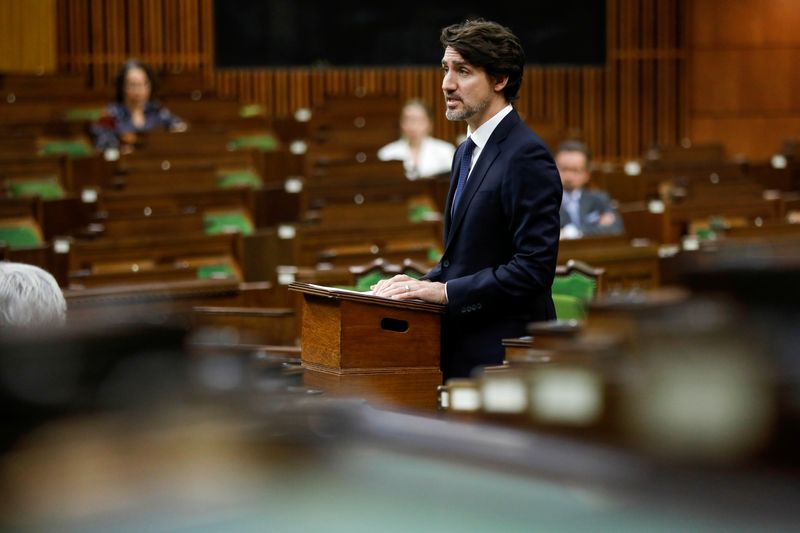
483, 64
29, 297
134, 83
572, 159
415, 121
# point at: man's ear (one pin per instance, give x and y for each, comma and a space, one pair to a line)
500, 83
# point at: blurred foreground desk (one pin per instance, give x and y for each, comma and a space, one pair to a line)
118, 430
356, 344
316, 466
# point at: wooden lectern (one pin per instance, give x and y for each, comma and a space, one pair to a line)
383, 350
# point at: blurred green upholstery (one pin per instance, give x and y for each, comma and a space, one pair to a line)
83, 114
72, 149
575, 284
241, 178
215, 271
252, 110
231, 222
19, 236
572, 291
363, 283
46, 188
411, 273
418, 212
569, 307
434, 254
263, 142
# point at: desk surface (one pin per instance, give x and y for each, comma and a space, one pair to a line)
393, 471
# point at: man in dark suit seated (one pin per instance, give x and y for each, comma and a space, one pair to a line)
584, 211
501, 217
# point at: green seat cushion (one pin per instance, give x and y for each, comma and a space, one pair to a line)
19, 236
73, 149
263, 142
46, 188
434, 254
366, 281
568, 307
576, 285
369, 279
215, 271
412, 273
243, 178
233, 222
83, 114
705, 234
252, 110
418, 212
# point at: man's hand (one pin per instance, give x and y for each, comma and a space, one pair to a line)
570, 231
606, 219
402, 287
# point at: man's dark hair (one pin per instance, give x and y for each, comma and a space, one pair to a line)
490, 46
119, 80
575, 146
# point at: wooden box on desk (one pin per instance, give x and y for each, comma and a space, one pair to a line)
386, 351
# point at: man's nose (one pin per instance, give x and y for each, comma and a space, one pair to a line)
448, 82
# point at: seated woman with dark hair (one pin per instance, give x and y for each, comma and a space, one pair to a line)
134, 110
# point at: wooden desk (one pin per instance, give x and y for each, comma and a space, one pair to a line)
386, 351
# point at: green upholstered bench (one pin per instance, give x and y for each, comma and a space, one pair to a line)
73, 149
19, 236
46, 188
368, 275
217, 222
252, 110
418, 212
239, 178
262, 142
574, 286
83, 114
215, 271
568, 307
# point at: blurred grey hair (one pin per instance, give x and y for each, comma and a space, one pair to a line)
29, 296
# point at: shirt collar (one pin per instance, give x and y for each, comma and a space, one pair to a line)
481, 136
575, 195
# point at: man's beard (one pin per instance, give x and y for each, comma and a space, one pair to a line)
467, 111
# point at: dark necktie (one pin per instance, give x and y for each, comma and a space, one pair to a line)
463, 172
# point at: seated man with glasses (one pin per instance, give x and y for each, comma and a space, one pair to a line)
584, 211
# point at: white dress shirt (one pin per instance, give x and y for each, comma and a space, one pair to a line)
435, 157
481, 136
572, 203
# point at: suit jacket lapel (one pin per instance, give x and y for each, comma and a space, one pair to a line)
485, 160
448, 208
586, 205
487, 157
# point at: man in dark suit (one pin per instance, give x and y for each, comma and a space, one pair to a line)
584, 211
501, 218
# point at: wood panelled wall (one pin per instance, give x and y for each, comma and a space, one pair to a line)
744, 74
635, 101
28, 36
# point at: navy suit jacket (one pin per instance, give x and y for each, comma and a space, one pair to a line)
500, 247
